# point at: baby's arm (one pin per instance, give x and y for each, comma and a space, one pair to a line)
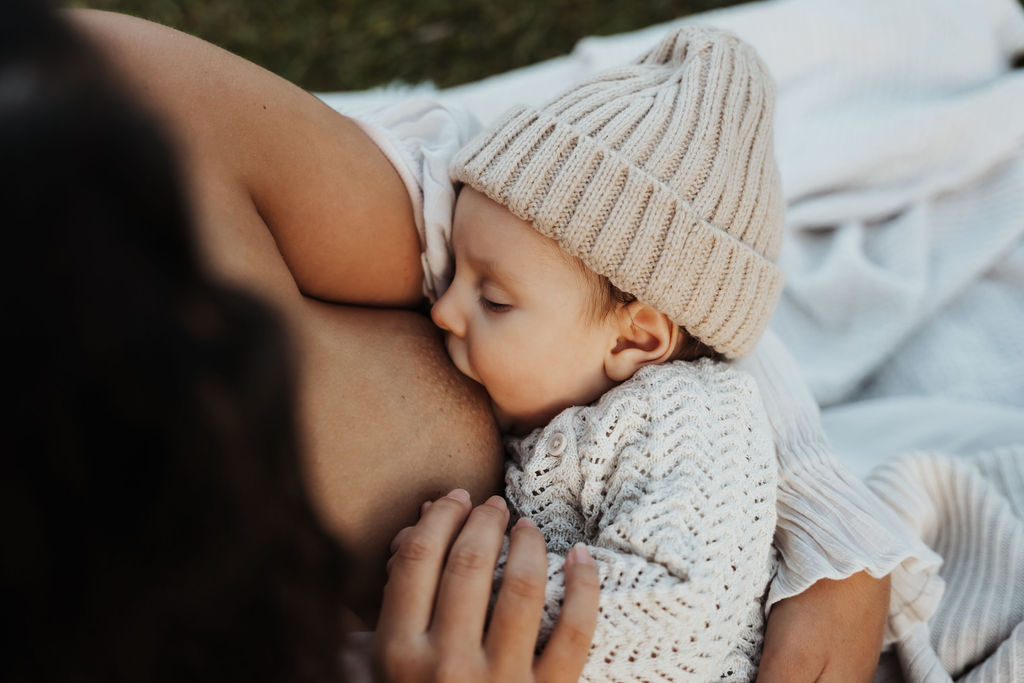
680, 521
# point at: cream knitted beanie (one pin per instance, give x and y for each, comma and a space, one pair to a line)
658, 175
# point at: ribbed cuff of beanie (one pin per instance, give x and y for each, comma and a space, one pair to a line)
626, 225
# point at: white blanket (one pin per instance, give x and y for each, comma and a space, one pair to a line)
900, 137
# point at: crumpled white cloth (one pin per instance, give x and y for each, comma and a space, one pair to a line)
904, 175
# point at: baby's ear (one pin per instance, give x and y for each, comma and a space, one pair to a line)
645, 336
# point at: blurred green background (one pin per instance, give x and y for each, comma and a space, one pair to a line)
326, 45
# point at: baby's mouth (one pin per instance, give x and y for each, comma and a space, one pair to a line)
457, 354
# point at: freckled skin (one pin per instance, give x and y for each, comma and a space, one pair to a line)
387, 430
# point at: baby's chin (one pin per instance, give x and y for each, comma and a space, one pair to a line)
506, 423
519, 425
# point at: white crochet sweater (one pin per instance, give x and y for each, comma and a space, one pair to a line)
670, 479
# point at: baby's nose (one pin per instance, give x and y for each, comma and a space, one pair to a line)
445, 315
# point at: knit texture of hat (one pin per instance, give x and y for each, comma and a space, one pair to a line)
658, 175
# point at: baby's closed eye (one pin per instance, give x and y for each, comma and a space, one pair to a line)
494, 306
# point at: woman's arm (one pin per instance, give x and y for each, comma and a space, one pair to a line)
336, 209
832, 632
838, 542
296, 197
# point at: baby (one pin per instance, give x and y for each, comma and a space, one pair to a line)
612, 249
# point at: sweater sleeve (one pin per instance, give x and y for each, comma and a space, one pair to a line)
678, 519
830, 525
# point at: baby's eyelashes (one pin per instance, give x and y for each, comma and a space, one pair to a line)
494, 306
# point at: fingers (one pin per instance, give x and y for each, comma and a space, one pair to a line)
415, 569
567, 650
409, 640
512, 634
465, 590
397, 540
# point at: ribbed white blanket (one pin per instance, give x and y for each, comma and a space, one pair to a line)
971, 511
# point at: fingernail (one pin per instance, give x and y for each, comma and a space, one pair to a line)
461, 495
497, 502
426, 506
524, 522
581, 555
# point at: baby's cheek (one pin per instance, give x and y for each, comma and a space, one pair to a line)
512, 387
502, 379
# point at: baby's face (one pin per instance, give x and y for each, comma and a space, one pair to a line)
517, 317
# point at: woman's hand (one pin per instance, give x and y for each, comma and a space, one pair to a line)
830, 632
435, 602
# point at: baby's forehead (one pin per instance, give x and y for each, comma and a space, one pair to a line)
490, 233
482, 226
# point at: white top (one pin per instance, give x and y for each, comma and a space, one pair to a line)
670, 480
830, 525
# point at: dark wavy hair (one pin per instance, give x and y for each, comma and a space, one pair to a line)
155, 521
